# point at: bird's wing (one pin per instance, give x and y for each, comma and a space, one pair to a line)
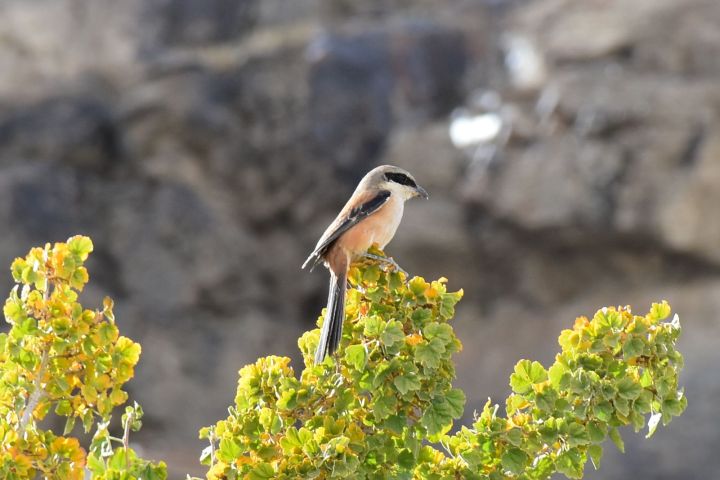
345, 221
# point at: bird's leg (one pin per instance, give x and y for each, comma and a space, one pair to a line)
387, 261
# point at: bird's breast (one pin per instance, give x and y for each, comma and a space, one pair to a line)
380, 228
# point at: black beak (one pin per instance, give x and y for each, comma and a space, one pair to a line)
422, 192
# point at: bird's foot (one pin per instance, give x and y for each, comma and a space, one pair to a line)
386, 261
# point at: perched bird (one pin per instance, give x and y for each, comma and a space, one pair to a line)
371, 216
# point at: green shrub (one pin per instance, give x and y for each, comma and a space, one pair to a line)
383, 408
59, 356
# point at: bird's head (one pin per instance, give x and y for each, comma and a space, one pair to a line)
397, 181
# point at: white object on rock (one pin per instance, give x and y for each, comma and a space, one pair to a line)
524, 62
467, 130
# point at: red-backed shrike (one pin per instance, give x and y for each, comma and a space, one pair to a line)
371, 216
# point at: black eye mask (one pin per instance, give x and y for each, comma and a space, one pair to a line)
400, 178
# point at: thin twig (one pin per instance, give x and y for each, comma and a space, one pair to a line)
36, 394
212, 448
386, 261
126, 437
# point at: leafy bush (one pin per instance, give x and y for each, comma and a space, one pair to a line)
383, 408
59, 356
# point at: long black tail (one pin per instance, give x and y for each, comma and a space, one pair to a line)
332, 325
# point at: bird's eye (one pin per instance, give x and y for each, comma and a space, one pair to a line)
400, 178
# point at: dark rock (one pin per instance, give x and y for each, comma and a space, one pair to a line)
350, 90
173, 245
44, 203
75, 131
360, 83
430, 62
559, 183
198, 22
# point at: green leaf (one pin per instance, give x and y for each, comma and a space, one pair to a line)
154, 472
69, 425
514, 460
571, 463
392, 333
371, 274
107, 333
27, 359
455, 399
407, 382
629, 389
559, 376
80, 246
63, 408
288, 399
646, 379
526, 375
263, 471
447, 305
608, 319
603, 411
418, 285
87, 420
356, 355
577, 434
396, 423
515, 436
121, 458
633, 348
429, 354
595, 452
643, 404
543, 468
29, 275
384, 406
373, 326
421, 316
206, 455
660, 311
291, 439
546, 400
597, 432
406, 459
617, 439
395, 281
674, 407
437, 418
95, 465
441, 331
622, 406
611, 340
229, 450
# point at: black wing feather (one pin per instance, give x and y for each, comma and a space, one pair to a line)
356, 215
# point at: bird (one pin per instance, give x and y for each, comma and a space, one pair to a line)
370, 216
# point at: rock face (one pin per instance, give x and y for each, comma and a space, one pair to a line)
205, 145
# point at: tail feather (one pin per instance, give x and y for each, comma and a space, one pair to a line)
331, 332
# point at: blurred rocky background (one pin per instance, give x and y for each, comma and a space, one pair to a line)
571, 150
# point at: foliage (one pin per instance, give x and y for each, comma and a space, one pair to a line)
383, 407
614, 370
59, 356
